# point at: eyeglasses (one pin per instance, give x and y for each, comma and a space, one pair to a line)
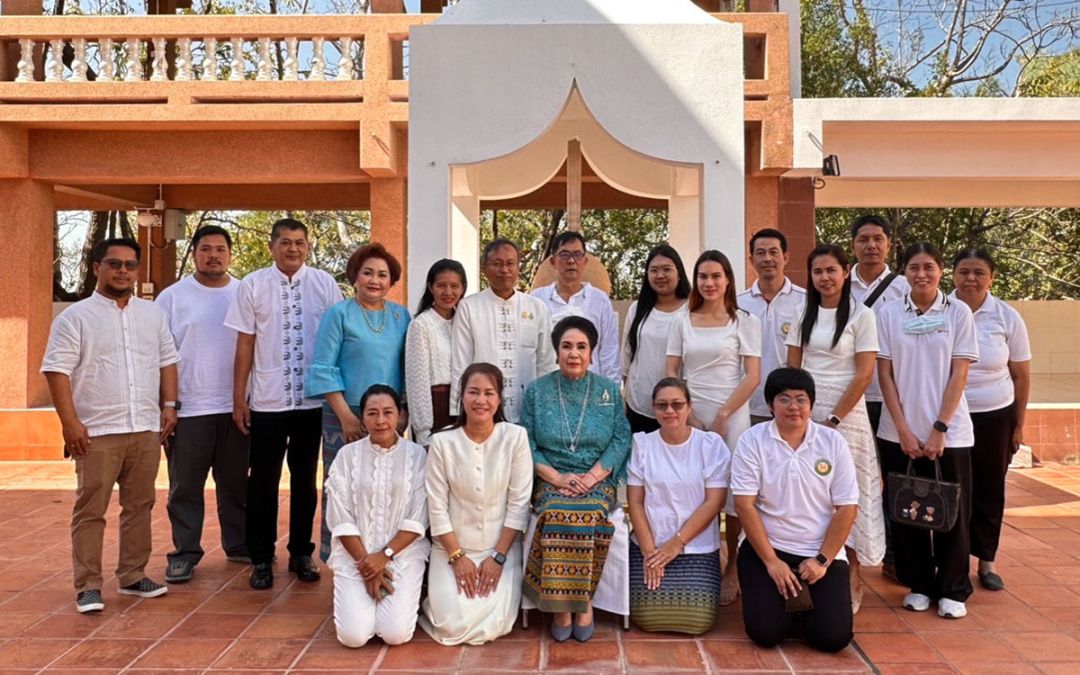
114, 264
567, 256
662, 406
801, 401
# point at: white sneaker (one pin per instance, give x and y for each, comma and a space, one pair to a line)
951, 609
917, 602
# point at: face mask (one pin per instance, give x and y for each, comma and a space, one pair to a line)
921, 325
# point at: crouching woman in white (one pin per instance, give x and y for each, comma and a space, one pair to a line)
797, 495
479, 482
376, 510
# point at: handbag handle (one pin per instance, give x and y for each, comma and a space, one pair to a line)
937, 468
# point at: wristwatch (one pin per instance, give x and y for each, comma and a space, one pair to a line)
499, 558
172, 404
834, 420
941, 426
822, 560
388, 552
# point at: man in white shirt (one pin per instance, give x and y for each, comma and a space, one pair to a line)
206, 438
874, 285
569, 295
797, 496
276, 315
776, 302
111, 368
502, 326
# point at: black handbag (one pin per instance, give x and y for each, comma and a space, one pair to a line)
929, 503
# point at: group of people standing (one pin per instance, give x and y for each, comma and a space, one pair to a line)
482, 417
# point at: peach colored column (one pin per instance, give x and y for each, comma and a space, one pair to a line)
26, 210
786, 204
389, 201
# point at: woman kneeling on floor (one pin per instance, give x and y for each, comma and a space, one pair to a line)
376, 510
797, 496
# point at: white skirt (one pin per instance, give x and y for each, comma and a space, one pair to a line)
867, 535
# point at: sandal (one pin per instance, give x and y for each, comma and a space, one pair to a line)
729, 592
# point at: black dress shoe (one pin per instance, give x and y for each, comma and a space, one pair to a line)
305, 568
991, 581
262, 576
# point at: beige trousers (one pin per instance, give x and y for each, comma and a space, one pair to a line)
130, 460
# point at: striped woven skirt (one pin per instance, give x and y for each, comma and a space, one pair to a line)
687, 598
333, 439
568, 550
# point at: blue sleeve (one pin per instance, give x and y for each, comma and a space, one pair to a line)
324, 375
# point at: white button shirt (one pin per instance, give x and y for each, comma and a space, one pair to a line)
1003, 338
476, 489
777, 317
860, 291
797, 490
283, 314
593, 304
114, 358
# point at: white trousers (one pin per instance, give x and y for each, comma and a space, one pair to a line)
357, 617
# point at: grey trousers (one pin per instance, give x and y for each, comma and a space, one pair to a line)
205, 444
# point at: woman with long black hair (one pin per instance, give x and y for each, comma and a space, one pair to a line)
664, 290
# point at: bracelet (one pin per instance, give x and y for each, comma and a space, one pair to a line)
678, 535
455, 556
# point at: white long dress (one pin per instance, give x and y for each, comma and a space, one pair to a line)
475, 490
832, 370
374, 493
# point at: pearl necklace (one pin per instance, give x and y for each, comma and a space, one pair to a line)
374, 328
576, 435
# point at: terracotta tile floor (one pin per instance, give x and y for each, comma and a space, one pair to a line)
216, 624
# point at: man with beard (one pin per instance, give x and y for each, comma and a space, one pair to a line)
206, 439
111, 368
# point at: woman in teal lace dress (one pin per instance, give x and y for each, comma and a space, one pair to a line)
580, 442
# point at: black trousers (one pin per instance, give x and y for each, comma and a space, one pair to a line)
205, 444
989, 463
934, 564
873, 411
640, 422
294, 434
828, 626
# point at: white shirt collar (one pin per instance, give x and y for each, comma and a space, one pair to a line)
298, 275
555, 292
499, 301
811, 434
104, 299
940, 303
988, 304
755, 289
855, 278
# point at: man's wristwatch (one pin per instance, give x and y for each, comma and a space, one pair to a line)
499, 558
941, 426
172, 404
821, 560
834, 420
388, 552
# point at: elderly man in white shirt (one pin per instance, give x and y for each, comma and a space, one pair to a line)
569, 295
503, 326
206, 438
776, 302
111, 368
797, 496
276, 315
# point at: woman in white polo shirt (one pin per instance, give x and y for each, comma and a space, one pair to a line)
797, 496
997, 396
926, 347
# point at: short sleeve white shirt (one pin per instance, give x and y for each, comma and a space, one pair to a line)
675, 478
649, 363
114, 356
593, 304
835, 364
777, 318
797, 490
1003, 338
921, 363
207, 347
283, 314
860, 291
712, 356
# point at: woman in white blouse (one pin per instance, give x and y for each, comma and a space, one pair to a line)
716, 348
835, 340
479, 483
664, 289
427, 350
376, 509
676, 484
997, 395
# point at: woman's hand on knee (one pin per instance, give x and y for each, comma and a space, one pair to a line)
488, 577
465, 573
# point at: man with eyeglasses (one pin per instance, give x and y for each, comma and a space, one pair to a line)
502, 326
570, 295
111, 368
276, 315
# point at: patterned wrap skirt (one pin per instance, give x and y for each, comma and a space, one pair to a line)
686, 599
568, 550
333, 439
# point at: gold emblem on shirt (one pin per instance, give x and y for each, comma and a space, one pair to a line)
785, 327
528, 316
822, 467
